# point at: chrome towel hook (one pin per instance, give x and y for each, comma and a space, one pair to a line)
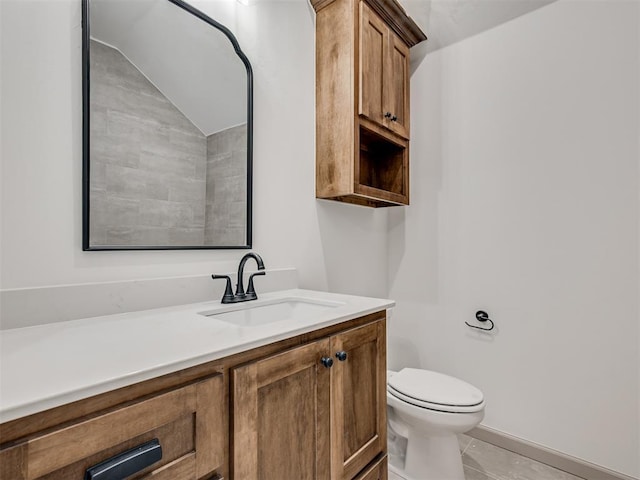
482, 317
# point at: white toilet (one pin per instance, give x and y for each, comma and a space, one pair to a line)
425, 411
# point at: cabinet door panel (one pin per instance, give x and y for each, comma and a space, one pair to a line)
359, 399
358, 379
398, 86
281, 416
373, 51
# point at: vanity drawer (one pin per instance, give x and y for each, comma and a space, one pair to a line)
189, 422
376, 471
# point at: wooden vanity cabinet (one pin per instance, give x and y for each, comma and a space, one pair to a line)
362, 101
307, 407
315, 412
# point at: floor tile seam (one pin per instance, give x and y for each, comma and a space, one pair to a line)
516, 455
486, 474
471, 440
466, 447
492, 476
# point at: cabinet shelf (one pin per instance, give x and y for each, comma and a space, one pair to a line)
383, 164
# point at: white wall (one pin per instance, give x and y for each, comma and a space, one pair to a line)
334, 246
525, 204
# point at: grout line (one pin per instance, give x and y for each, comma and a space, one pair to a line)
486, 474
466, 447
581, 469
471, 440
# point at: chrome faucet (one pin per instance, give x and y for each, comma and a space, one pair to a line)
241, 295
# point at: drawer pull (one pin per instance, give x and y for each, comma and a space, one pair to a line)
126, 463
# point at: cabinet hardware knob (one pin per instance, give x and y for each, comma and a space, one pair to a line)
327, 362
387, 115
342, 356
394, 118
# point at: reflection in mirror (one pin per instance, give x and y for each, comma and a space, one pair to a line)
167, 129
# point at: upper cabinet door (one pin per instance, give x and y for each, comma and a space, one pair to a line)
398, 86
374, 40
384, 74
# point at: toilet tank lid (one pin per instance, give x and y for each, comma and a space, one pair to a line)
436, 388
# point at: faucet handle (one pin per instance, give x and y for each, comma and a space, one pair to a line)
228, 291
251, 291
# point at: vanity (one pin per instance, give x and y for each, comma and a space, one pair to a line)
289, 386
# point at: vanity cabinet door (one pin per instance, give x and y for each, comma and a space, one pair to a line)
281, 416
189, 422
359, 432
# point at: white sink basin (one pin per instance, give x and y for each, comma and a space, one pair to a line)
252, 314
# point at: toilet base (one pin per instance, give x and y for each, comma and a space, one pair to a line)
434, 457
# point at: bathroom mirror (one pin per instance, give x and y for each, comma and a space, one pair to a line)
167, 129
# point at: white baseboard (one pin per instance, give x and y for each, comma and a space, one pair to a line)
553, 458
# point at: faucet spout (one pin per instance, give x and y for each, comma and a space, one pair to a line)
240, 285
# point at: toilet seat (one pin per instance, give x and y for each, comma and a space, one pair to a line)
435, 391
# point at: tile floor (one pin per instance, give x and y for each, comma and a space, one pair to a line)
483, 461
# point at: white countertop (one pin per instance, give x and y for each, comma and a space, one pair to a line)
46, 366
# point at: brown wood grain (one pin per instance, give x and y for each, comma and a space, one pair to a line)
286, 427
176, 439
183, 420
278, 418
335, 106
362, 80
376, 471
183, 468
373, 49
13, 463
244, 450
398, 85
211, 425
392, 13
68, 445
359, 399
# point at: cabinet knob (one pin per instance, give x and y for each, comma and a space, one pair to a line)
394, 118
387, 115
342, 356
327, 362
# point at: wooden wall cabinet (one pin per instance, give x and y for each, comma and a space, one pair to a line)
316, 412
274, 412
362, 101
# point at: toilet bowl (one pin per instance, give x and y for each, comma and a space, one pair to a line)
425, 411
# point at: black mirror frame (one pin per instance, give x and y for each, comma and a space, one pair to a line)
86, 164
